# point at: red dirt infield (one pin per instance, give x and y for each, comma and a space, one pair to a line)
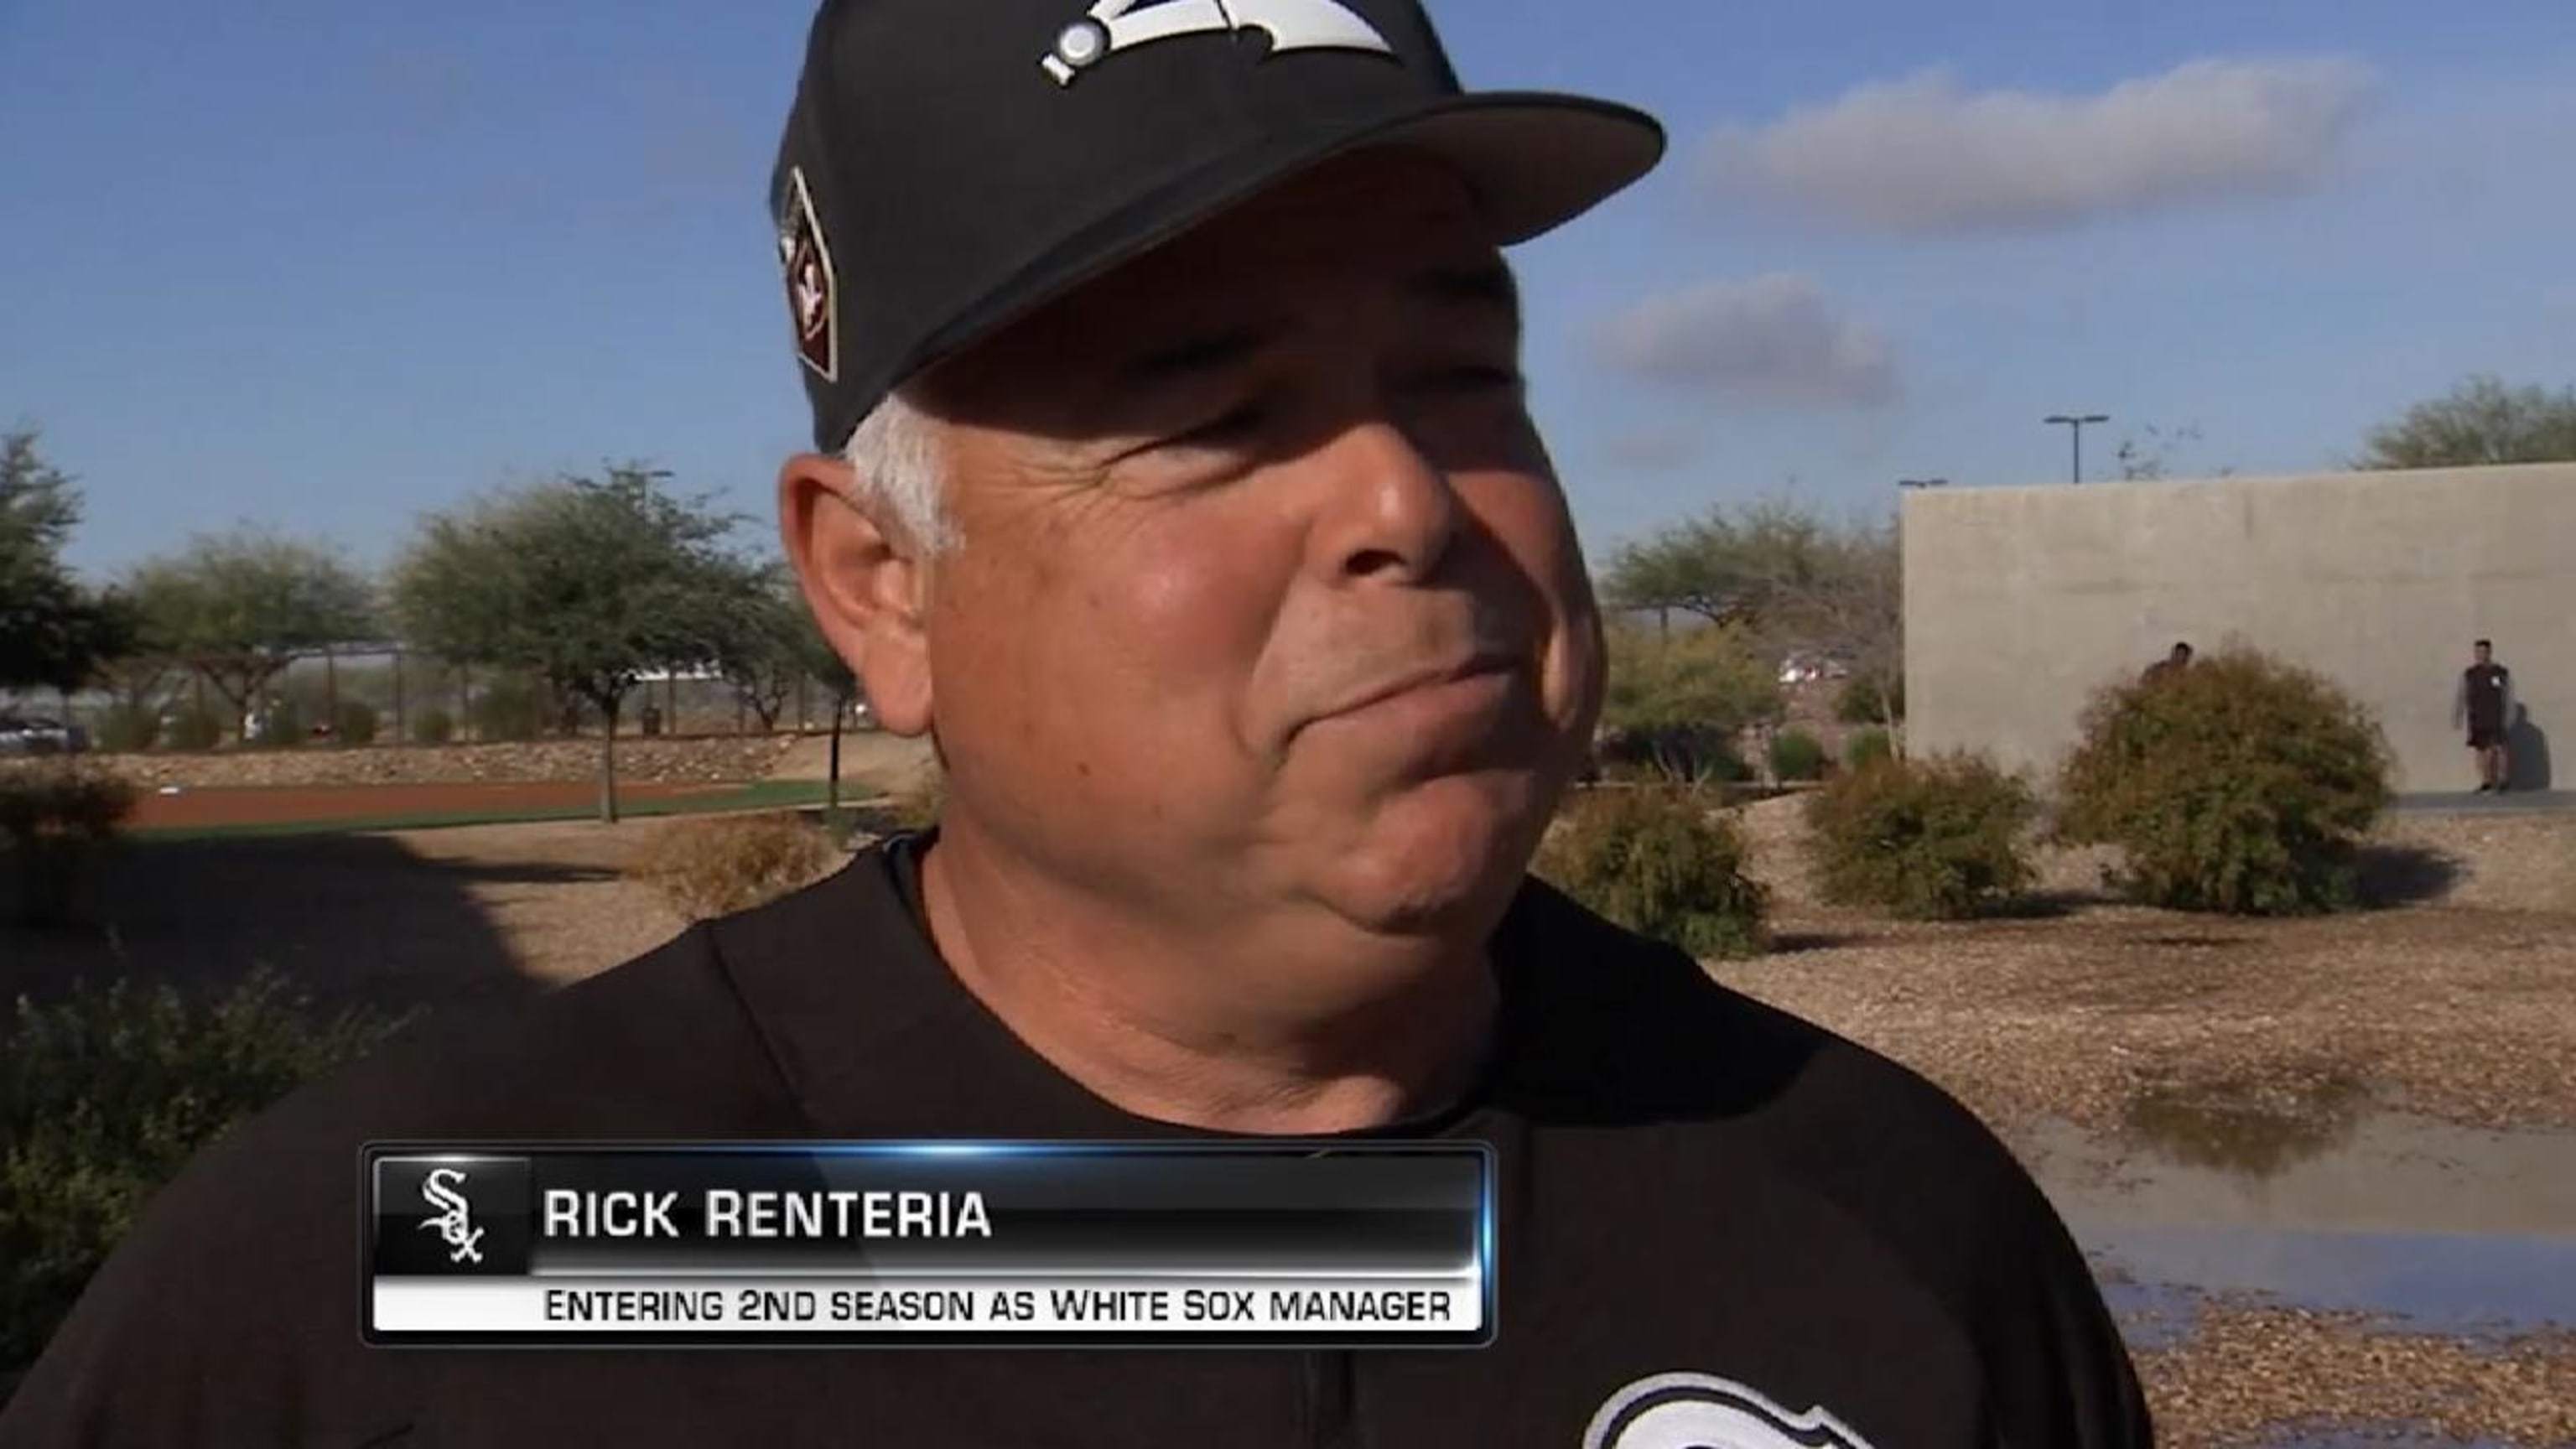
302, 804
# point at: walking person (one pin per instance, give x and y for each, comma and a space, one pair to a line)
2484, 703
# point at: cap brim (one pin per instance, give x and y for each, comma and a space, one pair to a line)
1535, 161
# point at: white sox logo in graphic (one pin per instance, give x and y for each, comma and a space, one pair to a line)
1700, 1411
455, 1220
1116, 25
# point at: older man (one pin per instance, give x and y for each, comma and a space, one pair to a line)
1174, 474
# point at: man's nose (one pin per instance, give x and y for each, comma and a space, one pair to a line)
1390, 514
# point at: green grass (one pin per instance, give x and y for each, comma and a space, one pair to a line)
764, 795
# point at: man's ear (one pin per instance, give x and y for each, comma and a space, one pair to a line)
865, 581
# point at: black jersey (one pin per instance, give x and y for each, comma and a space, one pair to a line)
2486, 693
1717, 1226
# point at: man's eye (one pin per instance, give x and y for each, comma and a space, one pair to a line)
1234, 426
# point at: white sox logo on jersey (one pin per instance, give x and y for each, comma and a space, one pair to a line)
1116, 25
1701, 1411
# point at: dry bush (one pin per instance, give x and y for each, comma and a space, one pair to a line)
723, 864
56, 823
1798, 755
2242, 784
107, 1092
1659, 862
1931, 839
1866, 748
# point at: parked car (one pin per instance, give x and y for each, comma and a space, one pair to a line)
1808, 668
34, 735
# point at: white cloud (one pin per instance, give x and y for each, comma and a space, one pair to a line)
1651, 452
1921, 155
1774, 340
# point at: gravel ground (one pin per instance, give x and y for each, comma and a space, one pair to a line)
2461, 1007
423, 918
2252, 1374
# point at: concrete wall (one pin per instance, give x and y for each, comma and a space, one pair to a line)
2019, 602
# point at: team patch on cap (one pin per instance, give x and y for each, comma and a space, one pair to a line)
813, 303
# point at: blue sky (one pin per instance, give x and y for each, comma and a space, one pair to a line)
326, 266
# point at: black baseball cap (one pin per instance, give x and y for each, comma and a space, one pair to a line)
951, 165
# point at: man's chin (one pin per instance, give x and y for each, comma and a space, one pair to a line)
1440, 858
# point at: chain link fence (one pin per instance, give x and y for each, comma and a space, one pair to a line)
385, 695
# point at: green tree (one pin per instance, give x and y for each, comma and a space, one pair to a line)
824, 664
1727, 565
1848, 602
239, 607
1792, 579
53, 631
589, 582
2481, 421
765, 652
1679, 699
134, 667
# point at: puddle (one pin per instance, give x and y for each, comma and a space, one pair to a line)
2349, 1172
2394, 1436
2243, 1132
2467, 1285
2316, 1201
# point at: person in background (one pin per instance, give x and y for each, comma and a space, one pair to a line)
2484, 703
2172, 664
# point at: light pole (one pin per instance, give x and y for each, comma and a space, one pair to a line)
2075, 426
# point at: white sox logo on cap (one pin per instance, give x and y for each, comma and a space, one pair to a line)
1116, 25
812, 294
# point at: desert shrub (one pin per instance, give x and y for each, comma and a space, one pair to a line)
1866, 748
57, 822
723, 864
509, 708
195, 729
355, 722
1938, 838
2242, 784
433, 727
128, 727
1862, 701
105, 1094
1655, 860
1797, 755
1675, 754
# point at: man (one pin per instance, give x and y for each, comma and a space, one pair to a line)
2175, 662
1190, 501
2484, 703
